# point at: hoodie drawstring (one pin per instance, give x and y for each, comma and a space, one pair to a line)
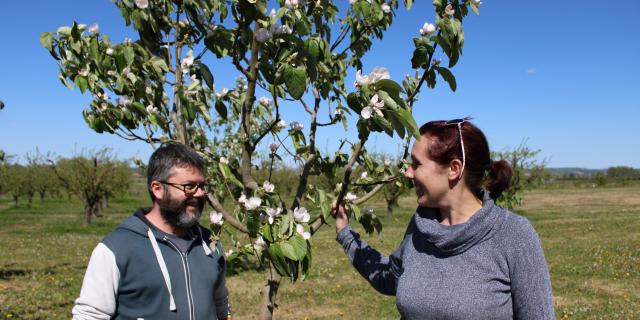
207, 251
163, 268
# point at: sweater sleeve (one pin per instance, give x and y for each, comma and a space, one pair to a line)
99, 288
530, 280
382, 272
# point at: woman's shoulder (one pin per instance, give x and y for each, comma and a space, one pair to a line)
517, 227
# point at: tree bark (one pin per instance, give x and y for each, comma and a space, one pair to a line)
269, 293
389, 208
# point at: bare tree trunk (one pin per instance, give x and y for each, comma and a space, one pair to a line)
42, 195
389, 208
88, 212
269, 293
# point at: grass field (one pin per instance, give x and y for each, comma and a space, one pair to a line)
591, 239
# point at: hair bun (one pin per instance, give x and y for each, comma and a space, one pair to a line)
500, 175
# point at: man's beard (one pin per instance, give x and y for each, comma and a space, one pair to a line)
175, 214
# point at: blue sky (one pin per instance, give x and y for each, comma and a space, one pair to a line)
561, 74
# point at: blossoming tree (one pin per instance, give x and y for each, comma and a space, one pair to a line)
158, 89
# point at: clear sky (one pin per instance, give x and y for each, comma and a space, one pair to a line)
564, 75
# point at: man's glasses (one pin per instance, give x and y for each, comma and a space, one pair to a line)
189, 188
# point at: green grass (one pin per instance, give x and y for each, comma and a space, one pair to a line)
591, 239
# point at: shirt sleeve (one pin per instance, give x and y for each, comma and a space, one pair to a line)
221, 294
99, 288
382, 272
530, 280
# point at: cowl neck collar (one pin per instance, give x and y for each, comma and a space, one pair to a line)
456, 239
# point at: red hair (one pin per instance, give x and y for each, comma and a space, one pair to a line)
444, 145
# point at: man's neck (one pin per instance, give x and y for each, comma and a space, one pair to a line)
155, 218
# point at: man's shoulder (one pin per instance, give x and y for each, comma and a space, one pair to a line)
125, 234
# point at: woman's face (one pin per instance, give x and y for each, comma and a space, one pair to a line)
429, 178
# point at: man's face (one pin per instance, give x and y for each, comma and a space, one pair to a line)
180, 209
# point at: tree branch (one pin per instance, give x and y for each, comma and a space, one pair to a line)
216, 205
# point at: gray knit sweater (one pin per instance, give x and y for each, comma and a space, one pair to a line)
491, 267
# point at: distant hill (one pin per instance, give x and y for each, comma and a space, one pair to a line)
578, 172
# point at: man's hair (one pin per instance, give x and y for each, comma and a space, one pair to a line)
167, 157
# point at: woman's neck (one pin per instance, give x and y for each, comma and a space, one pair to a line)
463, 204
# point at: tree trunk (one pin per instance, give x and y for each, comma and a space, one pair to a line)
15, 200
389, 208
42, 195
269, 293
88, 211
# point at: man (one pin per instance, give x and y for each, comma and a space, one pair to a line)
158, 264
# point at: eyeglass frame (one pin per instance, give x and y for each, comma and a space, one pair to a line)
458, 123
205, 187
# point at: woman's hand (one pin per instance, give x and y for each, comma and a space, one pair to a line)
341, 214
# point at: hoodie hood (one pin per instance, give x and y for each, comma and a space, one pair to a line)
456, 239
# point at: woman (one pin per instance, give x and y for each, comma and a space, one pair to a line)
462, 257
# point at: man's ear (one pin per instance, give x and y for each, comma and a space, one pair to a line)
455, 169
157, 189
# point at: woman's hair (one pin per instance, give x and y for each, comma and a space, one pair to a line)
445, 143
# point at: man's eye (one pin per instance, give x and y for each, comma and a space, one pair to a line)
190, 187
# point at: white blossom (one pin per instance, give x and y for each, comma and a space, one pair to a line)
124, 101
300, 214
264, 101
284, 29
272, 213
300, 230
297, 126
222, 93
272, 13
252, 203
385, 8
103, 107
448, 10
224, 160
142, 4
95, 28
242, 199
377, 74
151, 109
216, 218
476, 2
427, 29
352, 1
125, 71
83, 72
281, 124
350, 197
188, 60
260, 242
268, 186
387, 162
228, 253
375, 105
127, 40
263, 34
273, 147
290, 3
364, 175
109, 51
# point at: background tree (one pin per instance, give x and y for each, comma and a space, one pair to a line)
623, 173
93, 178
528, 172
296, 54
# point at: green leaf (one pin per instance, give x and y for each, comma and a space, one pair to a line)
390, 86
392, 116
206, 75
353, 101
370, 222
295, 80
448, 77
253, 224
81, 83
227, 175
419, 59
409, 122
46, 40
65, 31
221, 109
204, 110
295, 248
267, 233
278, 259
129, 54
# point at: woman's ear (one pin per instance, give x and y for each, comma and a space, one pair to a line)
455, 169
